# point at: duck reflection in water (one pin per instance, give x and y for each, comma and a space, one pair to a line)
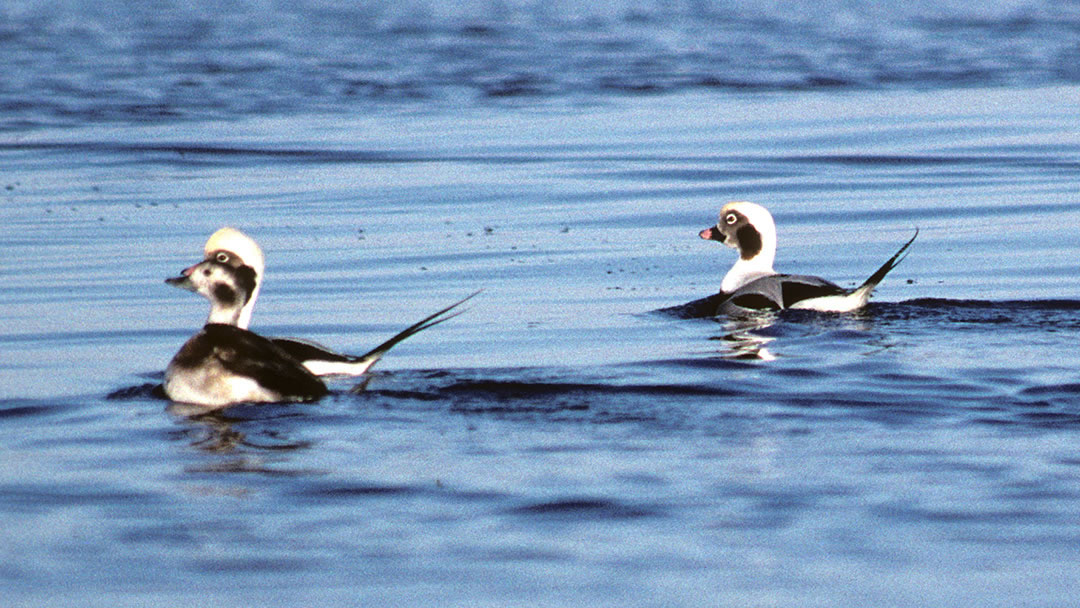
243, 439
740, 340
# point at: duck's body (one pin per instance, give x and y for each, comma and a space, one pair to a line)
752, 284
224, 364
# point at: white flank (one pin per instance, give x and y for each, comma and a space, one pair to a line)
839, 303
338, 368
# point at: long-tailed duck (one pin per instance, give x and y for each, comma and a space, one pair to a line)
753, 285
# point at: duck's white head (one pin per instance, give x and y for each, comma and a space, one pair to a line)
236, 250
749, 228
229, 288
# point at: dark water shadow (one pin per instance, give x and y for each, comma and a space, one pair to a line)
1045, 315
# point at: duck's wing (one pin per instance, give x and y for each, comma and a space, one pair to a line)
246, 353
306, 350
798, 287
763, 293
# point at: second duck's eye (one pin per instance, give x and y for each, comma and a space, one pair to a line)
222, 257
731, 218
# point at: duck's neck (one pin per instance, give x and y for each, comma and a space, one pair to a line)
226, 315
228, 306
243, 318
744, 271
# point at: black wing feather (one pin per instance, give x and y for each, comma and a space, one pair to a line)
303, 350
753, 301
799, 287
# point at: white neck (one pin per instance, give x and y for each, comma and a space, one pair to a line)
243, 319
744, 271
226, 316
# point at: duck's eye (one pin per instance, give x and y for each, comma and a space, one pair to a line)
731, 218
222, 257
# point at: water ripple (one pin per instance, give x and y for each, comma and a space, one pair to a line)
576, 510
197, 59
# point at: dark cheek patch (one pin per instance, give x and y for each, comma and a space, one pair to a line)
224, 294
245, 276
749, 241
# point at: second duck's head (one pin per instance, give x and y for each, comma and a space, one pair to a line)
745, 226
228, 249
229, 288
749, 228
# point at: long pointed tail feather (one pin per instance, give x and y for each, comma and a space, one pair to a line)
429, 321
326, 363
323, 362
858, 297
854, 299
891, 263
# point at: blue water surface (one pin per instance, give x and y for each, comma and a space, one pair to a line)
561, 443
